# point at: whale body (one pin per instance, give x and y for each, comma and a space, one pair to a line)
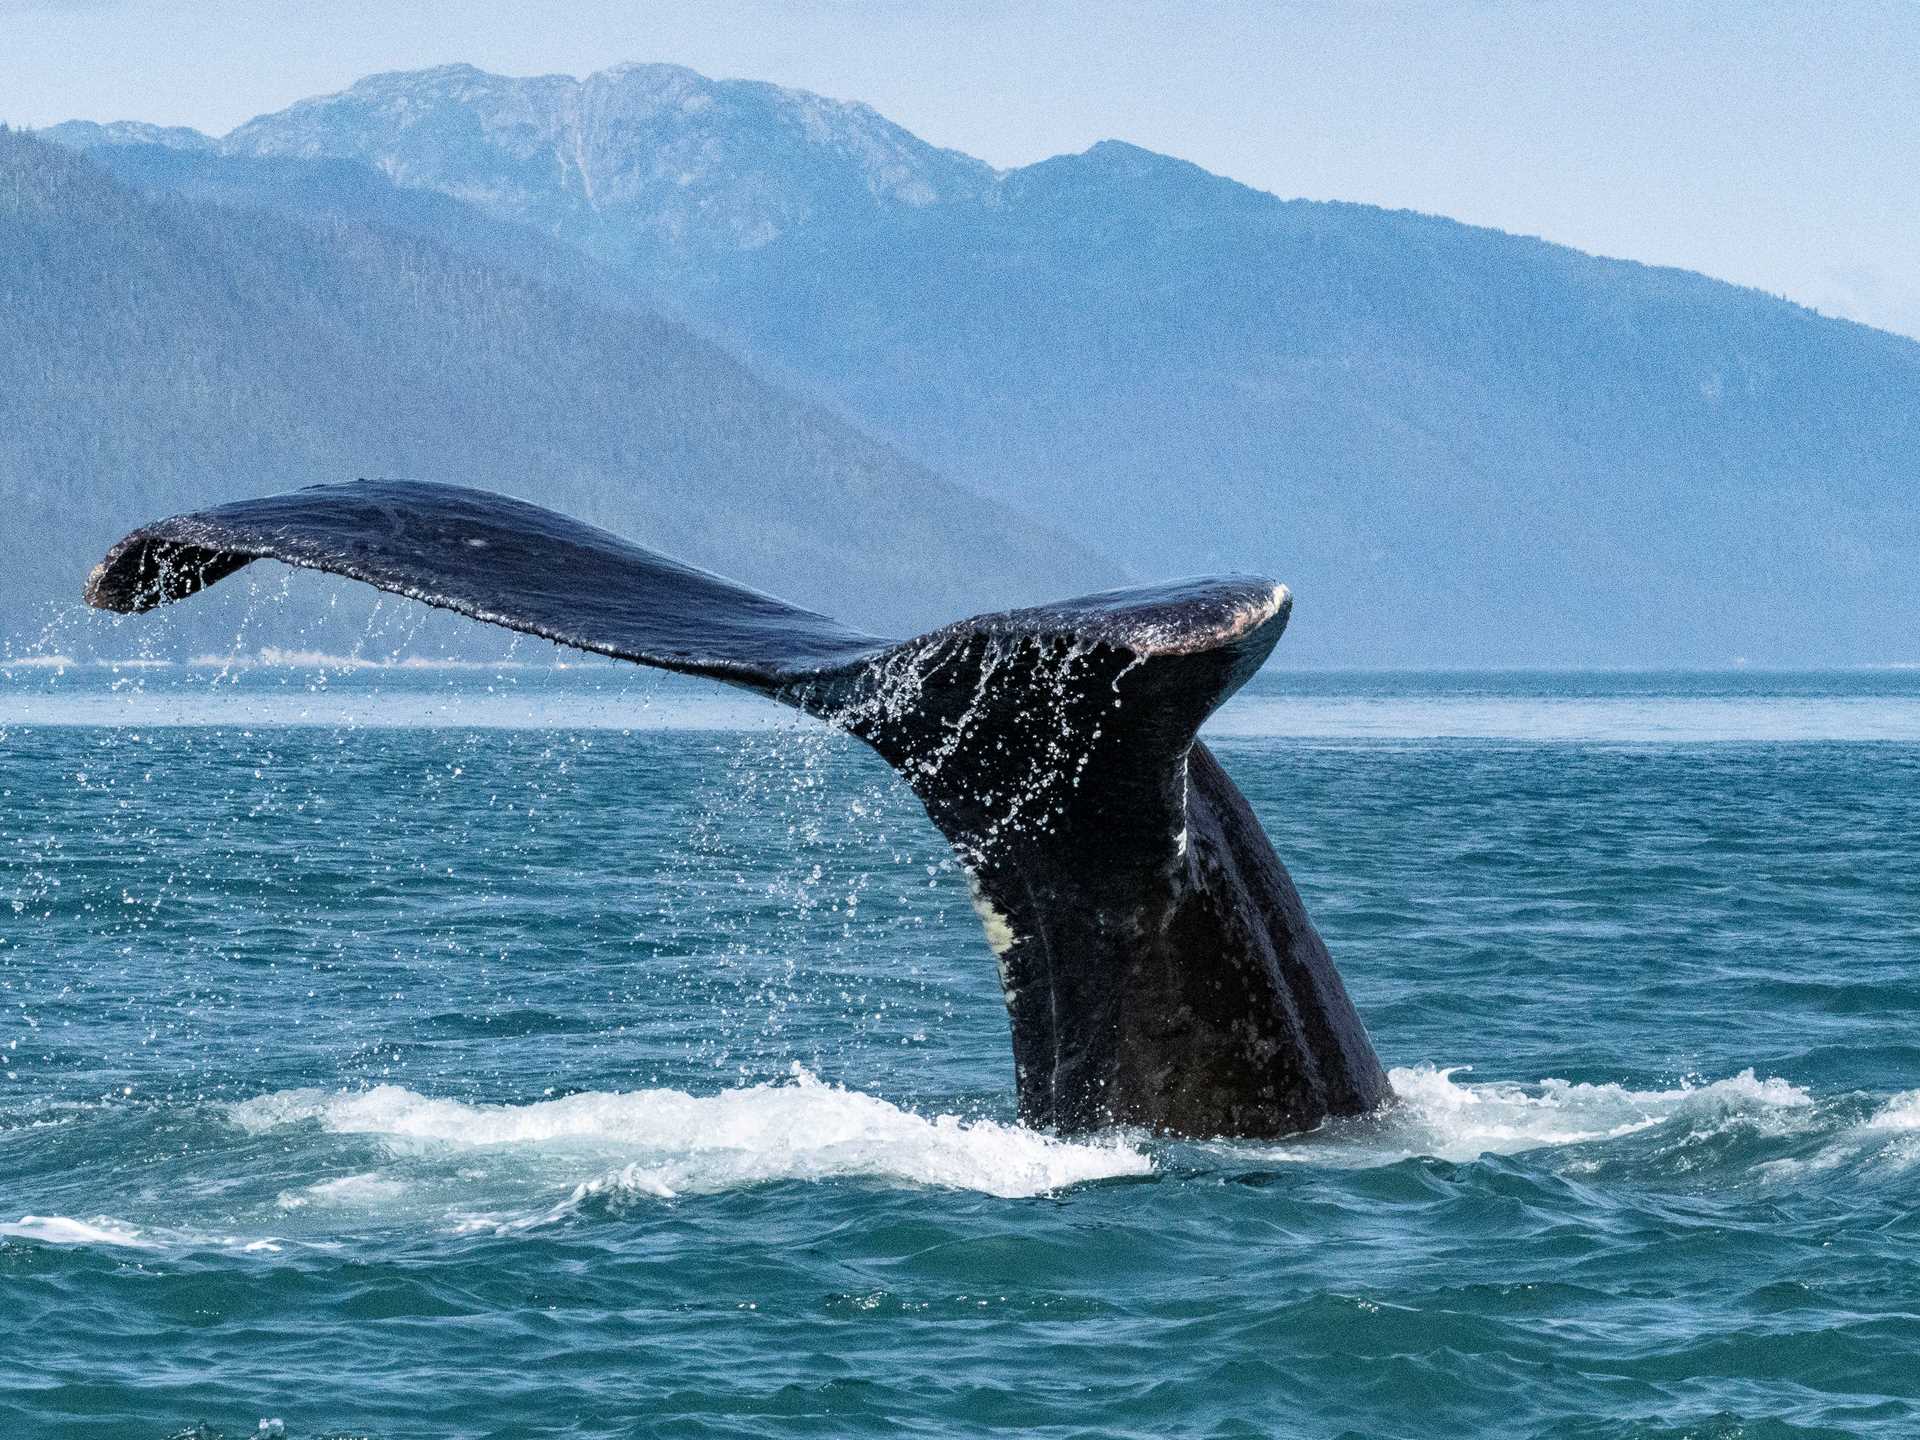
1158, 965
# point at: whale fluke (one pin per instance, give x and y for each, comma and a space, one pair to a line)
1158, 965
494, 559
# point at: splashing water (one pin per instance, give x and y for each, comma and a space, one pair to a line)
1437, 1116
671, 1143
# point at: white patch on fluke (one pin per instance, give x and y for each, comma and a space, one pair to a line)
1000, 936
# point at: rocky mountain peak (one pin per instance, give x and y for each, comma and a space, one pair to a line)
688, 161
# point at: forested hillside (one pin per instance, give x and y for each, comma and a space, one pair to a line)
160, 353
1460, 446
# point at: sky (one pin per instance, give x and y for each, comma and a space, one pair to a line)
1775, 145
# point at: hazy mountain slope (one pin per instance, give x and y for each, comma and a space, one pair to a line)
1460, 446
346, 190
163, 353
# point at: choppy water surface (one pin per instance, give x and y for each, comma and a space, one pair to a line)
517, 1051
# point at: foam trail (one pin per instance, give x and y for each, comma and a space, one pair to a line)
64, 1230
1902, 1112
1439, 1117
340, 709
1891, 1134
667, 1142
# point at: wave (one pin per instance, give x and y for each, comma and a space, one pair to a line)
668, 1142
1889, 1139
1438, 1117
460, 1167
65, 1230
1902, 1112
279, 657
123, 1234
37, 662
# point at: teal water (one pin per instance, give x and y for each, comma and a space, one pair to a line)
519, 1051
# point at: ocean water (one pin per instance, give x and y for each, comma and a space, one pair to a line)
517, 1050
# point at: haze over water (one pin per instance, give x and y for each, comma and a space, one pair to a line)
512, 1050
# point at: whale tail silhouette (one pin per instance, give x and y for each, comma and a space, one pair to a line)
1158, 965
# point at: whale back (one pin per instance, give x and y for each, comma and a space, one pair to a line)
1158, 966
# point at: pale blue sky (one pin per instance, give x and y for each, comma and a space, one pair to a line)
1772, 144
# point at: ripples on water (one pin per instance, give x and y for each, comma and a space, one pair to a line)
375, 1059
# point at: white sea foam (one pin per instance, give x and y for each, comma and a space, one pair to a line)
279, 657
667, 1142
64, 1230
1902, 1112
347, 1191
1891, 1135
1440, 1116
36, 662
106, 1230
1885, 1142
463, 707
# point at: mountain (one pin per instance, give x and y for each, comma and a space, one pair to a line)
640, 164
164, 352
1459, 446
346, 190
89, 135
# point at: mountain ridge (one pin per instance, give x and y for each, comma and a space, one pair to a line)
266, 135
637, 141
1459, 445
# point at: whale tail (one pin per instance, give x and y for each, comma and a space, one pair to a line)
1158, 966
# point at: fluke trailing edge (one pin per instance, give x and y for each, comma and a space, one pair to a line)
1158, 965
